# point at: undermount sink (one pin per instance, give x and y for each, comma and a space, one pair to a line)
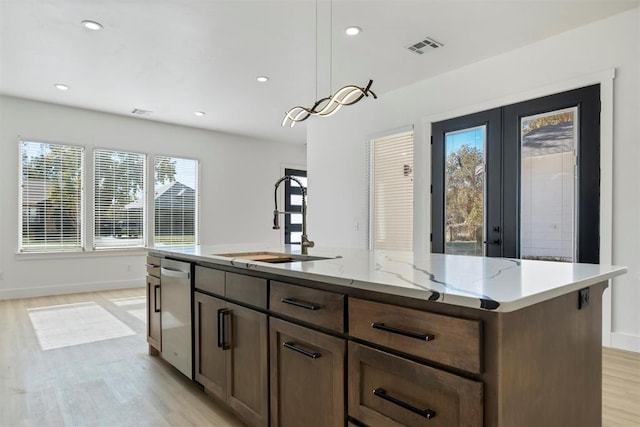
272, 257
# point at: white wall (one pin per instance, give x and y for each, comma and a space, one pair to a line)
236, 187
337, 145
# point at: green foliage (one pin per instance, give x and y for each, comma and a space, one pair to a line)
547, 121
165, 170
119, 180
61, 167
464, 189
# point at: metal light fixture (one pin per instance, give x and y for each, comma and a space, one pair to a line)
324, 107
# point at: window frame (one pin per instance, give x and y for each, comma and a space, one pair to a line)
152, 213
143, 239
81, 220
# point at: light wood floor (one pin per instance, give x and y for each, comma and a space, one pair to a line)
114, 382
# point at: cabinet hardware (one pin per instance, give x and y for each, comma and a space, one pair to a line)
292, 346
222, 342
156, 309
177, 274
382, 393
152, 265
410, 334
301, 304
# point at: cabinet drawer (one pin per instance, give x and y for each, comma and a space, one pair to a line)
387, 390
247, 289
318, 307
444, 339
153, 266
209, 280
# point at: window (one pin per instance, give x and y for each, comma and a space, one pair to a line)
293, 203
51, 203
391, 194
119, 199
176, 201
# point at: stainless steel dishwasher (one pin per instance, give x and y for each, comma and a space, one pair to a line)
175, 291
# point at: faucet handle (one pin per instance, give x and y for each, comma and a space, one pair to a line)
276, 220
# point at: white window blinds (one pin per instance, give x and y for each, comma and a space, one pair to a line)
51, 204
119, 199
176, 201
392, 192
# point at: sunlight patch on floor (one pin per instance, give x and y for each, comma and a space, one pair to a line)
72, 324
136, 306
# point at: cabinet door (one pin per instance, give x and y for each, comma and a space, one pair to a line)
247, 373
154, 330
307, 377
210, 353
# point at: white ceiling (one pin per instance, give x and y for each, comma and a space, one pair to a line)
174, 57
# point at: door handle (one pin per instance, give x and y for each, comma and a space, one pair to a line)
292, 346
403, 332
156, 297
177, 274
301, 304
382, 394
222, 342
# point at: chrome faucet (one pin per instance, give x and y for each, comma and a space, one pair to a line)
305, 243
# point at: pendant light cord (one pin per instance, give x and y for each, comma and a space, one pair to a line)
330, 46
316, 49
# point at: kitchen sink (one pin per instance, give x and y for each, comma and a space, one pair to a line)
272, 257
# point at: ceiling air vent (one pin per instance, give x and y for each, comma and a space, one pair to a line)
141, 112
424, 45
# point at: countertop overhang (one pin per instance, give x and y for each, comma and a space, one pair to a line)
496, 284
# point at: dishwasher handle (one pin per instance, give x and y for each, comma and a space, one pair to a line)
176, 274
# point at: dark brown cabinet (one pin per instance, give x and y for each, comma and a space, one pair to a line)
154, 325
387, 390
231, 356
307, 377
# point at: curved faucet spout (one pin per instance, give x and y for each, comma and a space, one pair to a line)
305, 243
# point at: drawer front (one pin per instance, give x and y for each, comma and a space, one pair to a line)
444, 339
209, 280
387, 390
314, 306
153, 266
246, 289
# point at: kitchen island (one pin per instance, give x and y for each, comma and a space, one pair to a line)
392, 338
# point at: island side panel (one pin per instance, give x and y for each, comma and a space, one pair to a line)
551, 363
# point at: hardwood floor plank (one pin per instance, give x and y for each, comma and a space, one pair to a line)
112, 382
115, 382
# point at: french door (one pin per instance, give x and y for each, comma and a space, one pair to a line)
520, 181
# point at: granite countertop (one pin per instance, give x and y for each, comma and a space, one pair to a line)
497, 284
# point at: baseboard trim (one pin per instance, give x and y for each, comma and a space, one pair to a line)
624, 341
17, 293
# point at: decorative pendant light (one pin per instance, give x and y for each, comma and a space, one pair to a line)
327, 106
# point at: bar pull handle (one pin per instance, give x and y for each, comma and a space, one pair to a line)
404, 333
177, 274
156, 297
301, 304
382, 394
222, 341
152, 265
292, 346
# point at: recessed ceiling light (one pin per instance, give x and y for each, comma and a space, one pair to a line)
92, 25
199, 113
61, 86
353, 31
262, 79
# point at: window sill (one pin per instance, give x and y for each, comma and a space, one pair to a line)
97, 253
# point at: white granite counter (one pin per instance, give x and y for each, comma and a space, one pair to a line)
497, 284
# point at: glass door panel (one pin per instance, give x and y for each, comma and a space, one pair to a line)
548, 185
464, 191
